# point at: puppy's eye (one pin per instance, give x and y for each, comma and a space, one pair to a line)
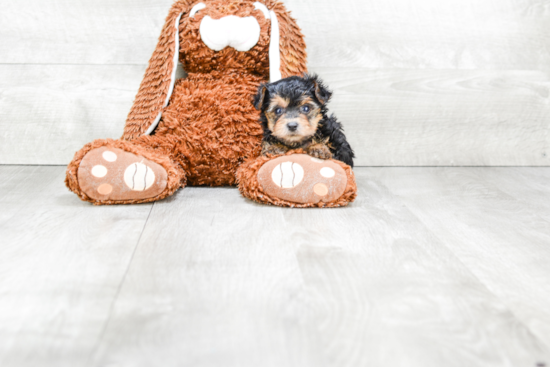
279, 110
306, 109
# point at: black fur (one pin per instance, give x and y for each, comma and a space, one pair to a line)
295, 87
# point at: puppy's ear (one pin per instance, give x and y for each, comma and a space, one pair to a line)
322, 93
259, 98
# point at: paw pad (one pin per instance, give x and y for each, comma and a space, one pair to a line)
327, 172
105, 189
320, 189
99, 171
302, 179
109, 156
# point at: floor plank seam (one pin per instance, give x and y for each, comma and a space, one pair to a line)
115, 298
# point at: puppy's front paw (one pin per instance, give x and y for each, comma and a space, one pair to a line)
273, 149
320, 151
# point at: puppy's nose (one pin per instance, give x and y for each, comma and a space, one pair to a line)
292, 126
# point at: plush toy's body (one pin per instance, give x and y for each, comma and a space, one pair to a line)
200, 129
214, 124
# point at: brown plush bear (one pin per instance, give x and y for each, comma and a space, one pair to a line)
200, 129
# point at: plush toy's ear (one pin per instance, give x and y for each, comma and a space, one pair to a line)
291, 44
157, 85
259, 98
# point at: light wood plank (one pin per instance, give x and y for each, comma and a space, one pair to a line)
443, 117
426, 34
465, 34
50, 111
80, 32
392, 117
496, 221
61, 264
217, 280
19, 188
529, 186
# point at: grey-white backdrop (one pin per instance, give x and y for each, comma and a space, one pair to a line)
423, 82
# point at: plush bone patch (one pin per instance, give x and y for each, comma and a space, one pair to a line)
139, 177
287, 175
300, 179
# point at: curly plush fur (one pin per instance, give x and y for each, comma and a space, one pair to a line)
281, 103
209, 126
197, 58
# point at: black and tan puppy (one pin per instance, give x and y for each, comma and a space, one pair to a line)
294, 115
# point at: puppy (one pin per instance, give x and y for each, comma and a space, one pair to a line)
294, 116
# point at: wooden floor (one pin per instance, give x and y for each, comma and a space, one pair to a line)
429, 267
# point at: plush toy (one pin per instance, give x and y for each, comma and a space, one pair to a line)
199, 130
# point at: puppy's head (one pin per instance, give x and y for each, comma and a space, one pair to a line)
293, 107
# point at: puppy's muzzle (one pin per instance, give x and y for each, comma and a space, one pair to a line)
240, 33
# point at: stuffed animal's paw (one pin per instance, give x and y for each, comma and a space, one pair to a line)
302, 179
111, 174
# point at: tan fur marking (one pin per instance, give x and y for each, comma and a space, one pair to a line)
314, 122
307, 100
278, 101
271, 119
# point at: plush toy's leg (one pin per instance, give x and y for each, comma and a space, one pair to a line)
121, 172
297, 180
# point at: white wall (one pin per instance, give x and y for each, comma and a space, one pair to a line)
423, 82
